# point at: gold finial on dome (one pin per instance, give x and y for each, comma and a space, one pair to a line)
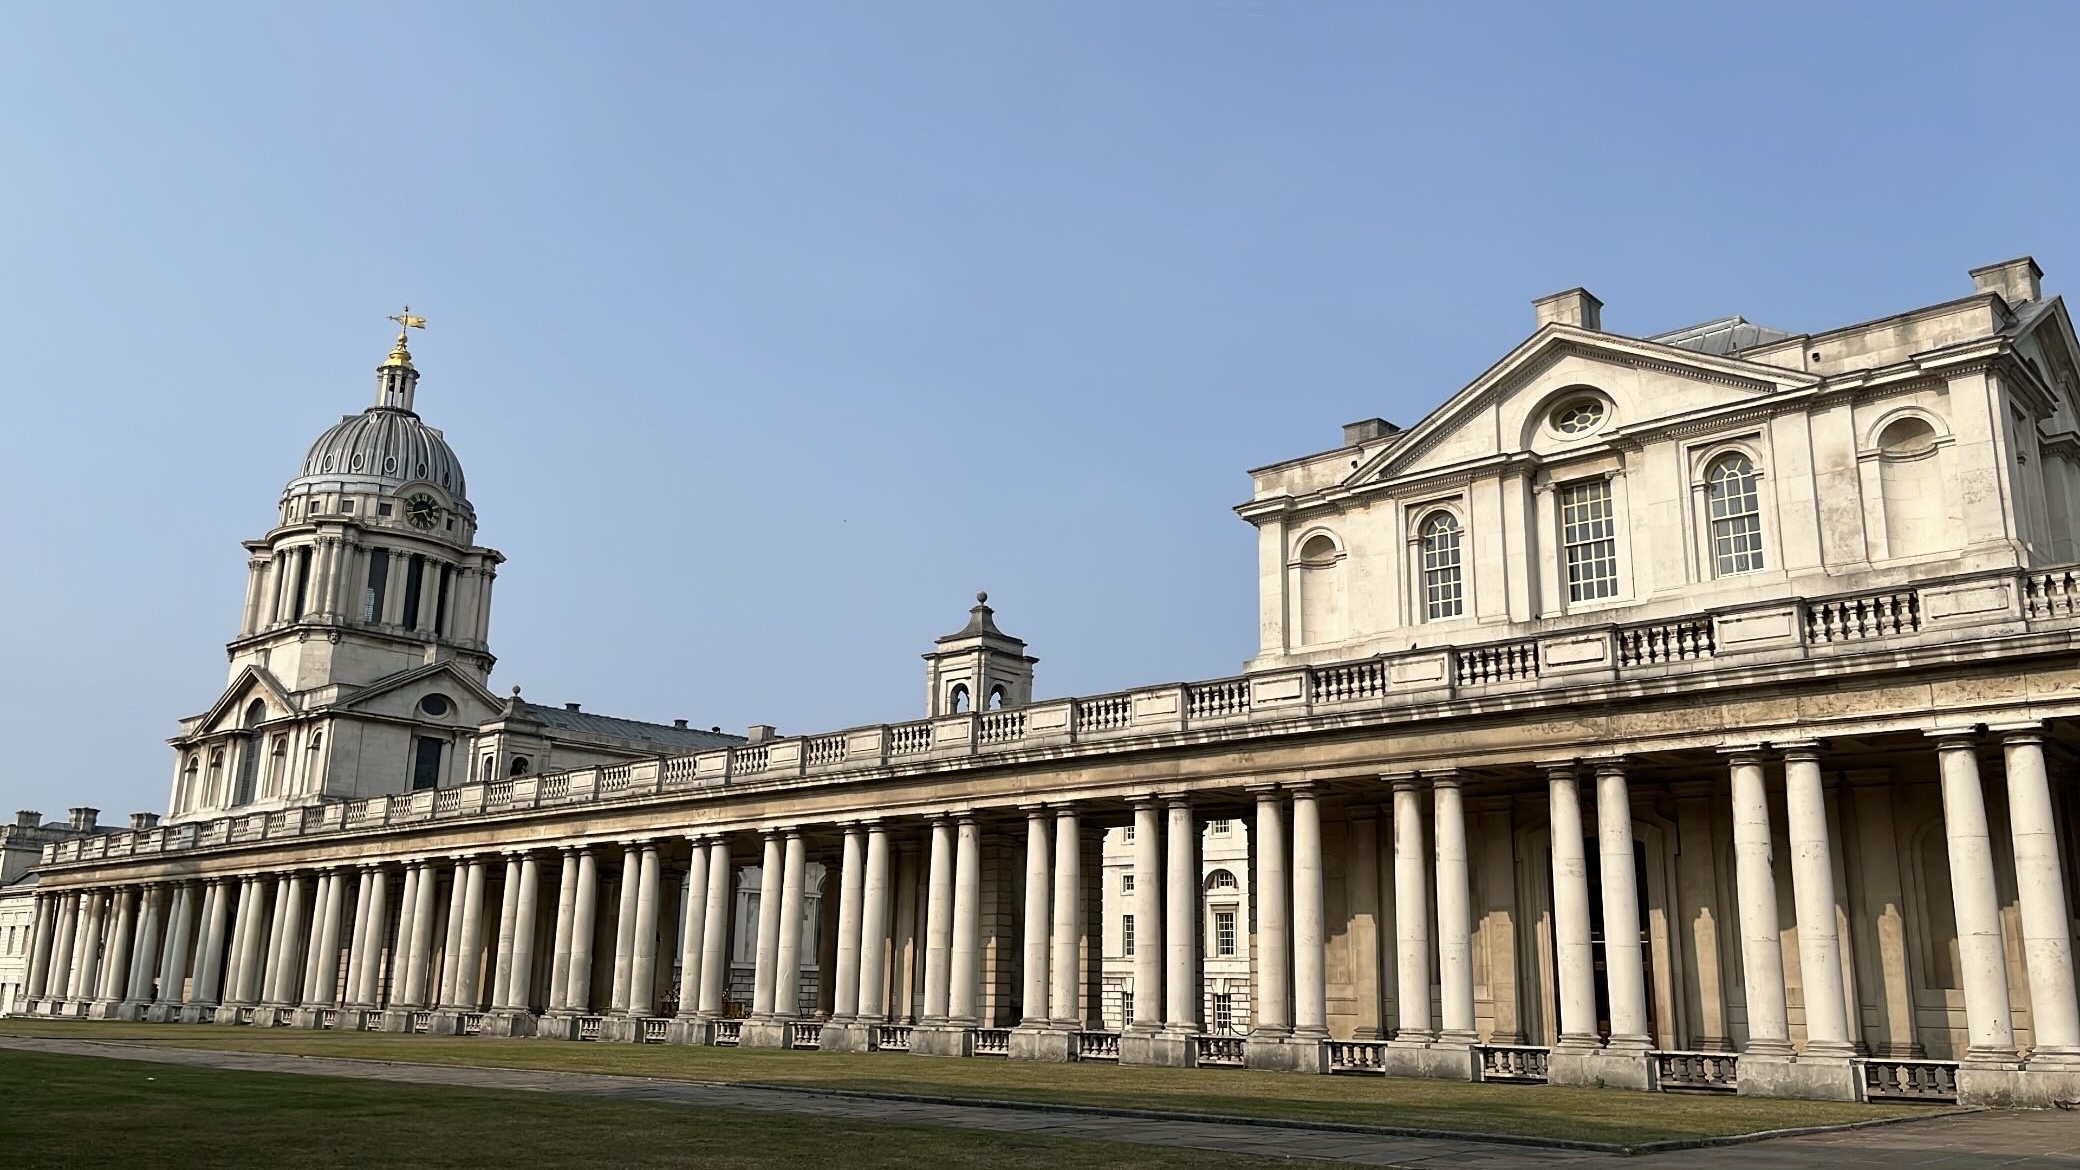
400, 355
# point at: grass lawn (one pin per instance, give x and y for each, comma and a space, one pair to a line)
85, 1112
1541, 1111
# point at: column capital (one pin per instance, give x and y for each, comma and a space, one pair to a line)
1607, 765
2020, 731
1307, 791
1403, 781
1569, 765
1148, 798
1037, 811
1743, 753
1442, 777
1954, 738
1799, 750
1263, 790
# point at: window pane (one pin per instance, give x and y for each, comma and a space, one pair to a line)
1735, 508
1224, 933
1444, 593
1589, 532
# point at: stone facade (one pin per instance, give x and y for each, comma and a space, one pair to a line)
1695, 711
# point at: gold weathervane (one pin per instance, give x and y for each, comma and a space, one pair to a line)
406, 321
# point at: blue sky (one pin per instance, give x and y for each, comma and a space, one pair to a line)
768, 333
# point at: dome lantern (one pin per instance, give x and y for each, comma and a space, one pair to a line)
397, 378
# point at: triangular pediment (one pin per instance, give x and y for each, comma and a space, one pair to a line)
253, 682
1643, 385
398, 694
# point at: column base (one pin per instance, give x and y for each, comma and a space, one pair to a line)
1602, 1069
1164, 1049
198, 1013
766, 1033
846, 1036
446, 1022
2027, 1088
102, 1009
1814, 1078
132, 1010
1284, 1054
1043, 1042
162, 1013
941, 1040
399, 1019
556, 1026
690, 1030
508, 1024
1438, 1060
229, 1013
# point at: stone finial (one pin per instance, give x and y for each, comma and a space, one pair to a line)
1577, 306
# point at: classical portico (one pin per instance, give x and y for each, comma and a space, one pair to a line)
1609, 727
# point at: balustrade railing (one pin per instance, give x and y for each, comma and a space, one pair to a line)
1358, 1056
998, 727
1717, 1072
447, 800
554, 788
892, 1037
589, 1026
498, 794
749, 761
1097, 1046
1351, 682
909, 739
656, 1031
1504, 662
1851, 619
473, 1023
1885, 1079
728, 1032
825, 750
678, 770
420, 1021
1522, 1063
1681, 640
1110, 713
2052, 593
245, 1015
1226, 699
615, 779
992, 1042
1218, 1051
328, 1018
804, 1034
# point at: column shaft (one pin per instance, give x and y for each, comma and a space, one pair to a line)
2047, 940
420, 974
323, 990
642, 981
1454, 912
180, 927
964, 992
1989, 1019
520, 981
357, 941
370, 990
1575, 965
1273, 1010
584, 914
1624, 963
692, 928
1147, 903
470, 956
1065, 963
120, 977
508, 924
715, 929
1812, 894
209, 961
938, 929
40, 945
1411, 916
566, 923
851, 908
625, 926
1033, 936
873, 929
445, 993
1755, 884
401, 948
787, 951
1310, 926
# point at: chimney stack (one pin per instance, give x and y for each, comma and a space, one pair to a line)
83, 819
762, 733
1577, 306
2018, 280
27, 818
570, 707
1358, 434
144, 820
679, 723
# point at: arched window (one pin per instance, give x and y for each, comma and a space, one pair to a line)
1444, 582
996, 698
519, 767
1736, 514
1221, 879
189, 796
277, 764
216, 776
249, 754
957, 702
1321, 591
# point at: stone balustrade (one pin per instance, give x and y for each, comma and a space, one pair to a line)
1570, 652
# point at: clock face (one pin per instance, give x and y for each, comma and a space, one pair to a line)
423, 511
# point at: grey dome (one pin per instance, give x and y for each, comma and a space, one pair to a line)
386, 445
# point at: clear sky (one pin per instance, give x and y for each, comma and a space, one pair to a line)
768, 333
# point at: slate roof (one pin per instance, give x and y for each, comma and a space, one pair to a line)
1722, 338
585, 723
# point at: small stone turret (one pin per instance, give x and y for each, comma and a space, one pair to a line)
979, 667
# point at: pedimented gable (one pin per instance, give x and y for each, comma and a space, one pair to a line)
401, 696
1628, 384
229, 711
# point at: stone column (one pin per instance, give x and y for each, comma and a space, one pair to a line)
357, 940
625, 927
2047, 938
209, 962
251, 954
1411, 915
1454, 911
1271, 1013
1989, 1021
1625, 966
303, 985
64, 936
1035, 924
938, 929
642, 982
851, 909
584, 912
787, 954
1812, 892
566, 917
119, 976
268, 985
1065, 965
1181, 920
87, 967
508, 925
470, 956
401, 947
692, 928
40, 945
180, 935
1310, 927
767, 956
873, 929
444, 994
715, 928
420, 956
520, 980
290, 939
370, 990
1755, 883
965, 982
1575, 960
1148, 916
322, 990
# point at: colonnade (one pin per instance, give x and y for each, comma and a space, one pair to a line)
490, 941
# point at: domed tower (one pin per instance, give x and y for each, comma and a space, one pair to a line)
360, 664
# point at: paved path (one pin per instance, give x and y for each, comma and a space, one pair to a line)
1974, 1141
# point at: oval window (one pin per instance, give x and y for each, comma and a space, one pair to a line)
357, 462
1579, 417
328, 463
390, 466
435, 705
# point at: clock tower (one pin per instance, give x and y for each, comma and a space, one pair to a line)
362, 655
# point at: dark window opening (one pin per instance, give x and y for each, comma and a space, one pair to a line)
426, 764
303, 581
414, 578
440, 604
519, 766
378, 586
